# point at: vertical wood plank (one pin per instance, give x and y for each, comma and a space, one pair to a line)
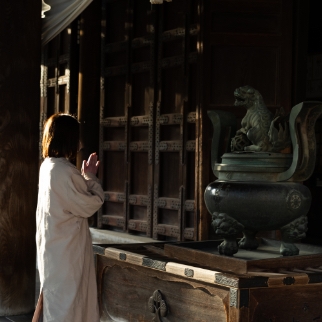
89, 81
198, 202
203, 123
102, 105
20, 41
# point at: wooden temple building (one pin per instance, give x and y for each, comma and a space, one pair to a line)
140, 79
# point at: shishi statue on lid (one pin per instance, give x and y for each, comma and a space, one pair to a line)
261, 131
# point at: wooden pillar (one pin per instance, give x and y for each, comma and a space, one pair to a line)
19, 126
89, 80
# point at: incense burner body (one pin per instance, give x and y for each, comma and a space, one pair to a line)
259, 206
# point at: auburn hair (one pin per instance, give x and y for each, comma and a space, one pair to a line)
61, 136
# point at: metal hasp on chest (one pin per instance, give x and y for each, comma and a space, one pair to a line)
258, 189
191, 281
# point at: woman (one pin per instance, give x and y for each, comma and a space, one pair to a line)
66, 199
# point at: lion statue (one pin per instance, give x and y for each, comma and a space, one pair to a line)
260, 131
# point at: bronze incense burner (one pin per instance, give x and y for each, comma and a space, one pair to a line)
258, 187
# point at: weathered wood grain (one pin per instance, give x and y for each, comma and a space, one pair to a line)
19, 135
125, 291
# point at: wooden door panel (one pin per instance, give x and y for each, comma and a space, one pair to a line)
127, 100
114, 114
175, 142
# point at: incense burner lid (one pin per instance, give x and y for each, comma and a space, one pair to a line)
253, 166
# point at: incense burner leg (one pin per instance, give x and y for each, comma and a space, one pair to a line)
292, 232
228, 228
249, 240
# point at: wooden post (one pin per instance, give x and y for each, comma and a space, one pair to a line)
89, 80
20, 23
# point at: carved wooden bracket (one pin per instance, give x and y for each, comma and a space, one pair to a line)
158, 306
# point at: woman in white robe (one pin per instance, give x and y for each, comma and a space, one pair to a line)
66, 199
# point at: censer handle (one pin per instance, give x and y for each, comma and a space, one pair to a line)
223, 123
302, 130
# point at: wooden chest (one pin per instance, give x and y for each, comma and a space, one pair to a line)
185, 282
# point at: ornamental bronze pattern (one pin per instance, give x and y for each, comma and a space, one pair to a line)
122, 257
150, 134
233, 297
143, 227
131, 225
161, 230
189, 205
189, 272
191, 146
188, 233
125, 204
157, 135
191, 117
132, 200
179, 33
158, 306
142, 42
120, 222
140, 67
153, 263
149, 210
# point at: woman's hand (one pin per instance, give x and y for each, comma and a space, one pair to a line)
91, 165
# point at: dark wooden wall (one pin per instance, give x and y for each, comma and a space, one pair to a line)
19, 133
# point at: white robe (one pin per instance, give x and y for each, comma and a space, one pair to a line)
65, 256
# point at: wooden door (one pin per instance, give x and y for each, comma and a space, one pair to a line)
114, 108
148, 113
127, 115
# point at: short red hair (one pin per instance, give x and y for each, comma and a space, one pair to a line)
61, 137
